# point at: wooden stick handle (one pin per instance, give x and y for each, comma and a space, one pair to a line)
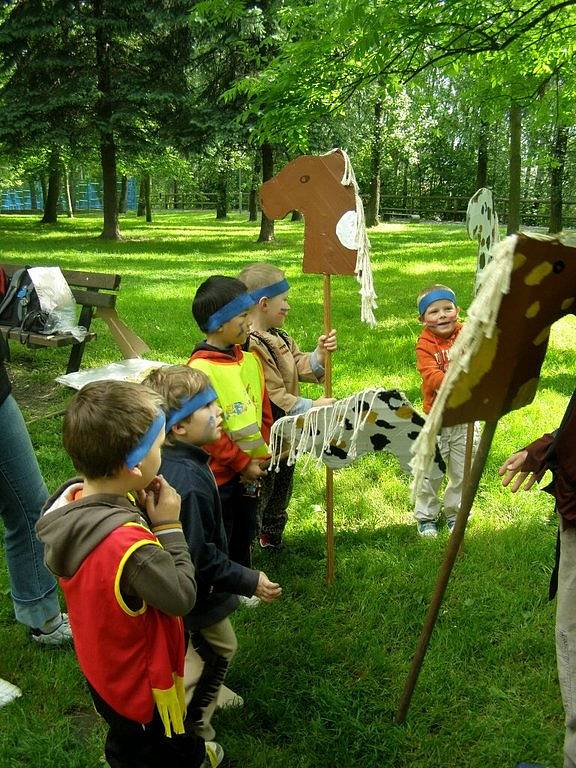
330, 556
452, 549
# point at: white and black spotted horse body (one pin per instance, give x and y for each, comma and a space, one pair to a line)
371, 420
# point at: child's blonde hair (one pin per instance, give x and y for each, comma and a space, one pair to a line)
259, 275
430, 289
175, 383
103, 423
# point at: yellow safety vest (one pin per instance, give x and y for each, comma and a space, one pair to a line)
239, 389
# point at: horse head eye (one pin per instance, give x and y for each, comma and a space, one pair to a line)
304, 179
558, 266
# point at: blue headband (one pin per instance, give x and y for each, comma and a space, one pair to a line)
430, 298
228, 311
189, 406
142, 447
270, 290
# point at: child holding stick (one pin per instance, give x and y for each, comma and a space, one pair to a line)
284, 367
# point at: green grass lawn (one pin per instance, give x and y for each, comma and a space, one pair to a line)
322, 670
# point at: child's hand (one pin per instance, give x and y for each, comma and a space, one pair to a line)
512, 469
326, 343
267, 590
252, 472
162, 502
323, 401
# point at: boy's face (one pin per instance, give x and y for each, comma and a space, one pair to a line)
276, 310
150, 464
235, 331
203, 426
441, 317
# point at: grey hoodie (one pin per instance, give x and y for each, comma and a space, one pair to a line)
163, 577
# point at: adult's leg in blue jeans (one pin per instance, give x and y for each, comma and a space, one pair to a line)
22, 494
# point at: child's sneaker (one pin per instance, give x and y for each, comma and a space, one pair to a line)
428, 529
228, 699
214, 755
8, 692
249, 602
450, 523
55, 632
266, 542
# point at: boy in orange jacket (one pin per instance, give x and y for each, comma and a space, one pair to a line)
438, 313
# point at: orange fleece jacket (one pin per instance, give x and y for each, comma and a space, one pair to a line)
432, 360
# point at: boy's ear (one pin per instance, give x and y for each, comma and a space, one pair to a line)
134, 472
263, 303
178, 429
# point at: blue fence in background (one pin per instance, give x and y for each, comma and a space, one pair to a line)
87, 197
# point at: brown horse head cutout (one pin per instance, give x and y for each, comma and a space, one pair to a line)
313, 185
504, 370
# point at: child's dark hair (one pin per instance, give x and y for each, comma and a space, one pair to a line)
104, 421
212, 295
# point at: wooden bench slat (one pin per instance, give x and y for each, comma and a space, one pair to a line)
58, 340
93, 299
77, 278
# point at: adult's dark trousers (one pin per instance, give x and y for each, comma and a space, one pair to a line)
239, 513
132, 745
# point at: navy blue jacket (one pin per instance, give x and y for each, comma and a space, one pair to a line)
219, 580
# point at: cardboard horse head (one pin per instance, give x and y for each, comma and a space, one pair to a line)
315, 186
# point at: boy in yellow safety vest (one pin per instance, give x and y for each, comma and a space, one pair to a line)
237, 459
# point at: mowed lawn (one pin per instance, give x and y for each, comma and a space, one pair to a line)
322, 670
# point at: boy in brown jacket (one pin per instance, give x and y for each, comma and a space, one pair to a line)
284, 367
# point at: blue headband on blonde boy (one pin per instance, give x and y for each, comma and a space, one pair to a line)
146, 442
228, 311
430, 298
269, 291
190, 406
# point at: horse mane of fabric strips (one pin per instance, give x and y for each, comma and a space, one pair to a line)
337, 434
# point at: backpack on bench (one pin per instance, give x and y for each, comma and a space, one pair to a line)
20, 307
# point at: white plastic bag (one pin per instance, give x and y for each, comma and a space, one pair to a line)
57, 300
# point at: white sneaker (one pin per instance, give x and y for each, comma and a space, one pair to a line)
8, 692
214, 755
59, 635
249, 602
227, 698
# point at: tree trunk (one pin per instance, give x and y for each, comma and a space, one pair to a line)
253, 197
222, 195
51, 200
557, 178
110, 230
515, 170
69, 206
176, 196
267, 225
33, 198
373, 204
44, 187
141, 198
147, 204
123, 196
482, 158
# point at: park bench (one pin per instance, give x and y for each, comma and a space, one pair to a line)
96, 294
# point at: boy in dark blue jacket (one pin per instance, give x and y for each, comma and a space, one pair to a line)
193, 419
